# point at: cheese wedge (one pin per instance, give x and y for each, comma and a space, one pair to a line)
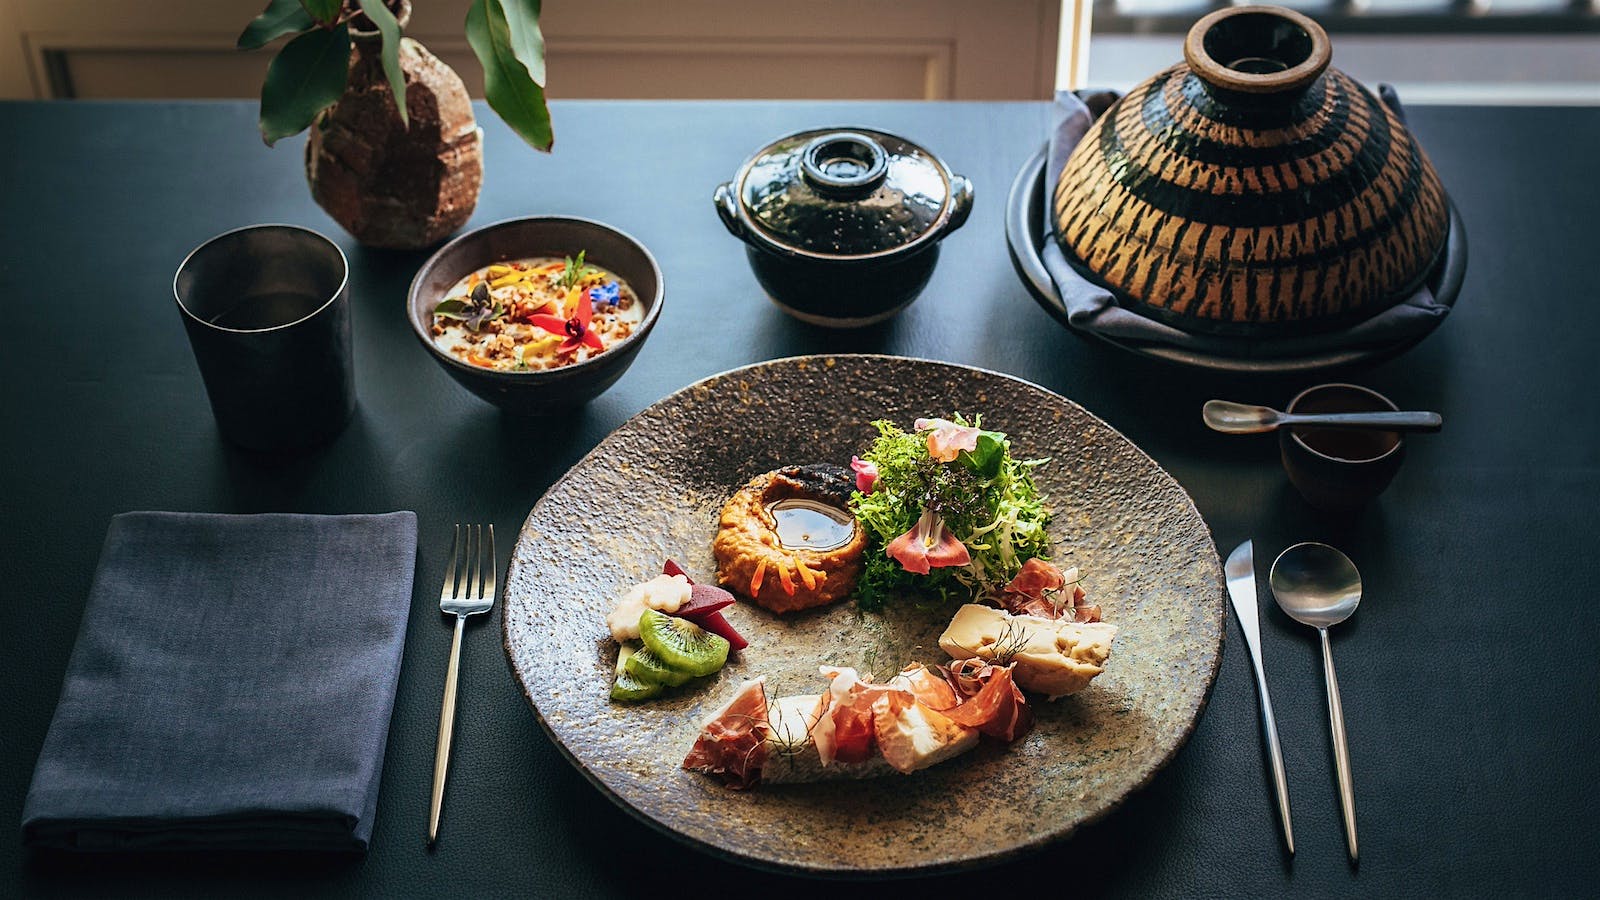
1053, 657
920, 737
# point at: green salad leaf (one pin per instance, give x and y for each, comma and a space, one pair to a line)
986, 497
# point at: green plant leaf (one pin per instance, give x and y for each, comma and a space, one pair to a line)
281, 17
305, 78
510, 89
326, 12
527, 40
390, 29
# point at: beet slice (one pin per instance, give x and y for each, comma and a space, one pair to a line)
716, 624
703, 599
671, 567
704, 607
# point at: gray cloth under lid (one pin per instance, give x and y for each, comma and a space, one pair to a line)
231, 685
1094, 309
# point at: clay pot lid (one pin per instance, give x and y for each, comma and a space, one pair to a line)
1257, 50
844, 193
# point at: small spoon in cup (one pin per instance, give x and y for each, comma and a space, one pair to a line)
1241, 418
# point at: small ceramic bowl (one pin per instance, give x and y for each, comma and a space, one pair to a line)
548, 390
1340, 470
842, 225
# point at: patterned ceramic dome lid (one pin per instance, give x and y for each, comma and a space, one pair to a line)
844, 193
1251, 189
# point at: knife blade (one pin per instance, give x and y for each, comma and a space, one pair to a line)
1240, 571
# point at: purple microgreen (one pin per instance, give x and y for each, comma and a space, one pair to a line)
471, 311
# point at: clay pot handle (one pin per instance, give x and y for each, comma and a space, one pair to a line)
728, 210
960, 202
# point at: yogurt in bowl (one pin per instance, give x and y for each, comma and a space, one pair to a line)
537, 315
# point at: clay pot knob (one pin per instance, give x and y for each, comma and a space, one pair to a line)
1257, 50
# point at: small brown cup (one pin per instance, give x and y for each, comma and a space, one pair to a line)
1340, 470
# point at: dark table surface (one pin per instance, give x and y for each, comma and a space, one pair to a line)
1471, 675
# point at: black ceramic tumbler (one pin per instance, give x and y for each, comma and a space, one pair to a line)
267, 309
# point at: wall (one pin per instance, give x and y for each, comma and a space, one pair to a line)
913, 49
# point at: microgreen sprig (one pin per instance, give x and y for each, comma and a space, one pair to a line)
573, 272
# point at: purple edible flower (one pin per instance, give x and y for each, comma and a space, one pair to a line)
606, 294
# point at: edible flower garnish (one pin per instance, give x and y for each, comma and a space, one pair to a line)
946, 439
866, 474
607, 294
471, 311
928, 545
979, 450
576, 329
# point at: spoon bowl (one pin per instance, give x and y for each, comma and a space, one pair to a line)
1316, 584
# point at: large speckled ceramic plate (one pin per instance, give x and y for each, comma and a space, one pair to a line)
653, 488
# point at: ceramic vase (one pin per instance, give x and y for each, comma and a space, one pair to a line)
390, 185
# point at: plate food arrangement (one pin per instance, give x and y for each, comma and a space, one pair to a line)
849, 719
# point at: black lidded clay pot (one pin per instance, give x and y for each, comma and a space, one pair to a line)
842, 225
1252, 190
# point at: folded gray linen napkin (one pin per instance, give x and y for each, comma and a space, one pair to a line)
231, 685
1094, 309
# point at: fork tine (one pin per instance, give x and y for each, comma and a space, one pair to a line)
448, 592
463, 565
493, 568
474, 569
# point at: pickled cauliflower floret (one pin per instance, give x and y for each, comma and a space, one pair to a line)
663, 593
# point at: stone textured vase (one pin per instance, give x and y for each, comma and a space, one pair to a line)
391, 186
1251, 189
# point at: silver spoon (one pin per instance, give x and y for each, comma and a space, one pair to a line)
1319, 586
1241, 418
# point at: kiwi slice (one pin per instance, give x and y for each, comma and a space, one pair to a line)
627, 686
646, 666
681, 644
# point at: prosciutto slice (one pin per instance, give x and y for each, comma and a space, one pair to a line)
925, 687
845, 716
993, 703
1036, 577
1028, 594
732, 745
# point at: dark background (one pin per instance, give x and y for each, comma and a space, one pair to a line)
1469, 675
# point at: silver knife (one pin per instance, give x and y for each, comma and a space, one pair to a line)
1241, 573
